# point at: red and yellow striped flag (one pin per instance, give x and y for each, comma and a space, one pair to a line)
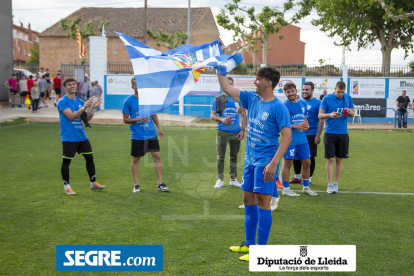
81, 47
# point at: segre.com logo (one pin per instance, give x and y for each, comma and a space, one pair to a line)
109, 258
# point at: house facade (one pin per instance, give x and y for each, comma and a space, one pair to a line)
23, 40
55, 47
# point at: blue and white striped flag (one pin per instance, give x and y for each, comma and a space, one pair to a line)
164, 78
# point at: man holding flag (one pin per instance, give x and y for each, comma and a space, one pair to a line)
267, 118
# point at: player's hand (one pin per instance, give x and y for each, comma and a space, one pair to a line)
88, 103
225, 120
317, 140
145, 119
98, 102
160, 133
335, 115
305, 126
269, 172
240, 135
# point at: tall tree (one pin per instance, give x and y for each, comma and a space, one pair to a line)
391, 22
168, 40
34, 54
249, 26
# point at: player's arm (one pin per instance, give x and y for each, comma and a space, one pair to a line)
319, 132
231, 91
332, 115
73, 115
240, 135
398, 104
128, 120
157, 124
270, 169
7, 84
89, 116
214, 117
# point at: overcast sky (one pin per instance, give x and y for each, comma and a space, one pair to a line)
43, 14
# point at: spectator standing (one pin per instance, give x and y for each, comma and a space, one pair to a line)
48, 85
84, 88
91, 89
41, 72
97, 91
323, 95
402, 102
23, 90
57, 84
30, 82
12, 85
42, 86
35, 95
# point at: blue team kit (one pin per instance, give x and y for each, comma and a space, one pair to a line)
71, 131
331, 103
229, 111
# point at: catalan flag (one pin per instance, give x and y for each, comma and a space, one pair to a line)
164, 78
81, 47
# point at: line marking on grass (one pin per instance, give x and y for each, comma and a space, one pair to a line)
14, 126
368, 193
203, 217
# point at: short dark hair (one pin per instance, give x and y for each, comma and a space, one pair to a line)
132, 81
404, 91
41, 67
269, 73
289, 85
47, 69
14, 75
68, 80
43, 76
230, 79
30, 77
340, 85
309, 83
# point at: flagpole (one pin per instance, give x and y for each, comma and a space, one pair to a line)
145, 23
189, 22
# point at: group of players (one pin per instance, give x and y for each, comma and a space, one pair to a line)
299, 122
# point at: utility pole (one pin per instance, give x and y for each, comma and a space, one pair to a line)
145, 23
189, 22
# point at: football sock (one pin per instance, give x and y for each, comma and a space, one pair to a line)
297, 176
285, 184
250, 223
90, 167
310, 179
275, 193
65, 170
305, 183
66, 184
265, 223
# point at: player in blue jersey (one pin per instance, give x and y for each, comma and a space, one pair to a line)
313, 134
298, 148
335, 108
72, 134
143, 138
228, 132
267, 118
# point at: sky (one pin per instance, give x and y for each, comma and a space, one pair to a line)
43, 14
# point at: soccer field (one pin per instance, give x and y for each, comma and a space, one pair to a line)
194, 222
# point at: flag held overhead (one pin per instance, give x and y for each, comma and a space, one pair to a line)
164, 78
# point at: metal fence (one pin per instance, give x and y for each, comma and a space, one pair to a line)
76, 71
26, 69
300, 70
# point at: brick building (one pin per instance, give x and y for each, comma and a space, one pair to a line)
23, 40
55, 48
289, 50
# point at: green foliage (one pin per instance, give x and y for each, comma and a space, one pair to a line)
85, 31
36, 215
364, 22
34, 54
251, 26
168, 40
411, 65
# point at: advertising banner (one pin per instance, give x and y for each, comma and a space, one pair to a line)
119, 85
206, 86
371, 107
323, 84
367, 88
398, 85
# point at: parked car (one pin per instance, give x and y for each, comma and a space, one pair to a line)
19, 72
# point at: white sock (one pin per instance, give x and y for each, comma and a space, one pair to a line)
286, 188
297, 176
93, 183
310, 179
67, 186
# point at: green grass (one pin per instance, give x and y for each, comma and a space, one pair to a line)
36, 215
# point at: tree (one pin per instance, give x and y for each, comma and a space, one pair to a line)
253, 27
168, 40
411, 65
34, 54
365, 21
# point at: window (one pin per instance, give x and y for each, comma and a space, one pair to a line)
26, 37
13, 51
25, 51
14, 33
19, 50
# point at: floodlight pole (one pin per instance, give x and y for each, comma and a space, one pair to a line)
189, 22
145, 23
